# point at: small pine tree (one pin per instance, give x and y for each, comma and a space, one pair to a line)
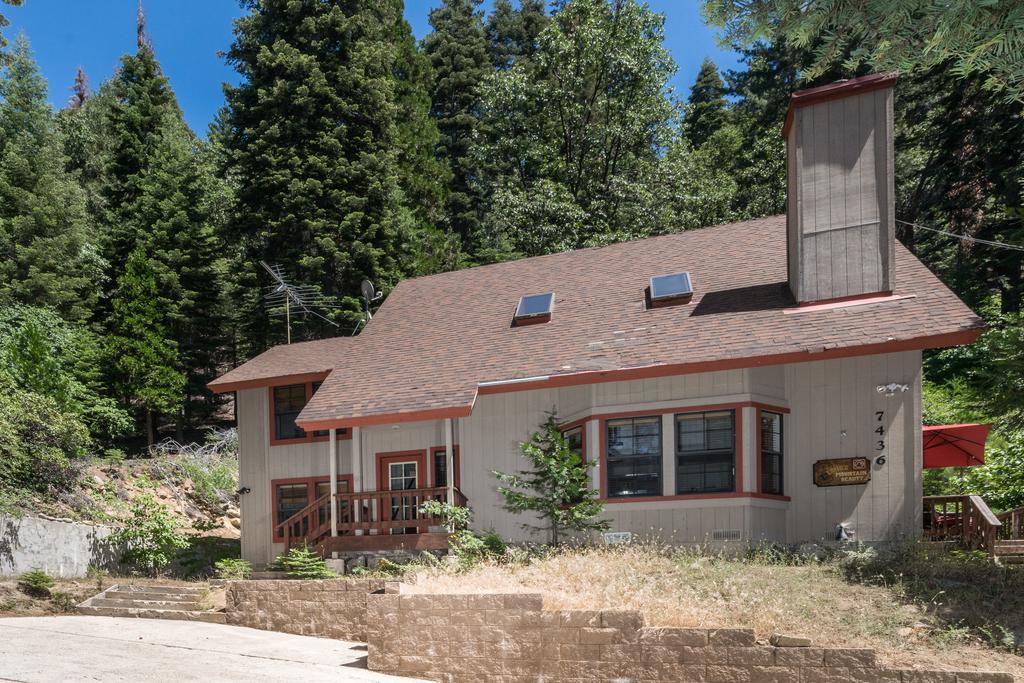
557, 488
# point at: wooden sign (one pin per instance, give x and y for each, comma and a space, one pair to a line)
842, 472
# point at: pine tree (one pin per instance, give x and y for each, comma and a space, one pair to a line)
312, 146
556, 488
144, 359
4, 23
80, 90
457, 49
705, 111
422, 176
512, 33
46, 255
160, 195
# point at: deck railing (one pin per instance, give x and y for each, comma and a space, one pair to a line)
365, 513
1013, 524
964, 519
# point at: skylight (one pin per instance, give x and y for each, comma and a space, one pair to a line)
673, 288
534, 308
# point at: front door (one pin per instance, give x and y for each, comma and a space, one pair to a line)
403, 472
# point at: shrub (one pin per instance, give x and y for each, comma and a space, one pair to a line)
97, 574
42, 445
36, 583
150, 538
465, 546
63, 602
233, 568
302, 563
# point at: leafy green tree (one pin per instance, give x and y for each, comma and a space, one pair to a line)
705, 109
512, 32
457, 49
46, 255
969, 38
143, 357
701, 184
556, 488
583, 124
150, 539
311, 145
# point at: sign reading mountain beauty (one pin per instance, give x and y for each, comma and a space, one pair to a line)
842, 471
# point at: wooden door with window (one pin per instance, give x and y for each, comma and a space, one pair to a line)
398, 472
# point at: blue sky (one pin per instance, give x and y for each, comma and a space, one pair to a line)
188, 36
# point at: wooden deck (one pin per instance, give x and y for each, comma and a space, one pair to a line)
367, 521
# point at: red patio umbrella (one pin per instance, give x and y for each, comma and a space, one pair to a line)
954, 445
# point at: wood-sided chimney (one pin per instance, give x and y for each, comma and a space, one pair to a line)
839, 181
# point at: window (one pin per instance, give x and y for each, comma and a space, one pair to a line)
574, 438
403, 476
288, 403
534, 308
291, 499
634, 457
706, 452
771, 453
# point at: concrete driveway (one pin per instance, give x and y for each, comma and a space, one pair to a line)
82, 648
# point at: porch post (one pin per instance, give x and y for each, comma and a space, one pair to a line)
357, 473
449, 454
332, 437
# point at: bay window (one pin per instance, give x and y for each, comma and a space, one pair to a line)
771, 453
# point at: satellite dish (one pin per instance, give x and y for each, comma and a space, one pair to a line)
368, 290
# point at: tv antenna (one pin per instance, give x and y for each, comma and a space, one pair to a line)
370, 295
283, 295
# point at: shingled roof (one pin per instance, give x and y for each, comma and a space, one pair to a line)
314, 358
439, 341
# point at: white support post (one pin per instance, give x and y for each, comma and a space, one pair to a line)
332, 437
357, 473
449, 454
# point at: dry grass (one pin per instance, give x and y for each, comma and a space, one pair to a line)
816, 599
15, 603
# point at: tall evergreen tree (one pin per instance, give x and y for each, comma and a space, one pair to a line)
457, 49
705, 110
423, 177
4, 23
47, 256
312, 149
79, 91
158, 187
512, 32
143, 357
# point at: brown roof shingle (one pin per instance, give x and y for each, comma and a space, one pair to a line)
437, 338
287, 360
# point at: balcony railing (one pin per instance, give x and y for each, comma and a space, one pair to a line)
365, 513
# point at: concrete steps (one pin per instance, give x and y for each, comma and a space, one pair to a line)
187, 603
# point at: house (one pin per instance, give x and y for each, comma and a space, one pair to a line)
753, 381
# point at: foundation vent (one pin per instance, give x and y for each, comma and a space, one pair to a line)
726, 535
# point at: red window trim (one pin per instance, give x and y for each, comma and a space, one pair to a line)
681, 410
456, 464
759, 453
310, 483
343, 433
582, 424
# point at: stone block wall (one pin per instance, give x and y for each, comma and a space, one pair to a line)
332, 608
511, 638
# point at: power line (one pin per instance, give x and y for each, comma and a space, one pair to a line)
965, 238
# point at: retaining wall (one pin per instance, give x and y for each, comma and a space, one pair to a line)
333, 608
511, 638
59, 547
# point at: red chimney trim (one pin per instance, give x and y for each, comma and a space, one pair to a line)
835, 91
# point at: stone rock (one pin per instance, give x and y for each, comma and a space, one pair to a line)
235, 522
784, 640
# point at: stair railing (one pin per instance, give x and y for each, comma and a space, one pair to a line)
1013, 524
965, 519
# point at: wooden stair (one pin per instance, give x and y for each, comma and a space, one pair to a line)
1009, 551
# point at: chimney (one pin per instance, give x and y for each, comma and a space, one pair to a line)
839, 184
